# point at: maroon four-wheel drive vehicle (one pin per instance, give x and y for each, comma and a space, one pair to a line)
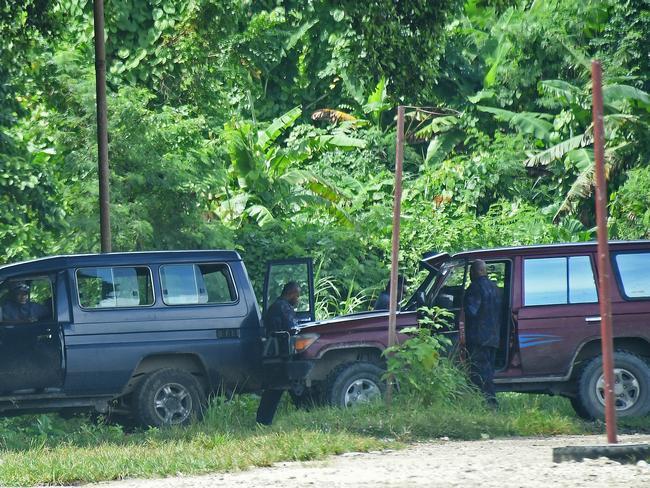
550, 334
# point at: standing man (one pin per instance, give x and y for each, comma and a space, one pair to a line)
482, 329
280, 317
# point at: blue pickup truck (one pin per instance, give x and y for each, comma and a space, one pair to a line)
149, 334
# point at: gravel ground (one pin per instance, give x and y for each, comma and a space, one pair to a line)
502, 463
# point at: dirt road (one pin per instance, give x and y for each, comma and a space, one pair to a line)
505, 463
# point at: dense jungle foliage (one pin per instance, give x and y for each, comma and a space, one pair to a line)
268, 126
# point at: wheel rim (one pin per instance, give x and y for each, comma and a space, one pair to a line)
360, 391
626, 389
173, 404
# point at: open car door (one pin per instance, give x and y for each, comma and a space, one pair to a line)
31, 339
281, 272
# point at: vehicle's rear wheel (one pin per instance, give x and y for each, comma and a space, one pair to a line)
352, 384
168, 397
631, 386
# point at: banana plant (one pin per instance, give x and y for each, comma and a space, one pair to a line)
371, 107
267, 179
574, 151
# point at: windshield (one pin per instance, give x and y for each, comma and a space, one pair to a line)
431, 283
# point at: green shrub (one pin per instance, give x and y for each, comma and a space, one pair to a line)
420, 365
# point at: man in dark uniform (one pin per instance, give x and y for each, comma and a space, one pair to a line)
383, 300
19, 308
482, 329
280, 317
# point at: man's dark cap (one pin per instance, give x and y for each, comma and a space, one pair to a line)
20, 286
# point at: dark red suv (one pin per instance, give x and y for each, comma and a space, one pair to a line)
550, 333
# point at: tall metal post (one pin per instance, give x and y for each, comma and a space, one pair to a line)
394, 264
604, 265
102, 128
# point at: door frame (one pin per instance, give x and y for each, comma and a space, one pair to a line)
310, 283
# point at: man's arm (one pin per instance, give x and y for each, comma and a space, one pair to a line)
472, 301
290, 320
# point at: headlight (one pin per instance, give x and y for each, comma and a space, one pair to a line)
302, 341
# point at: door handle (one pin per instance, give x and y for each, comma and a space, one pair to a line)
591, 320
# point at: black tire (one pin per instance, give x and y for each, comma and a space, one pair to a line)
350, 384
168, 397
580, 409
632, 380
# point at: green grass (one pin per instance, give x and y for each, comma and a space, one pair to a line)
407, 420
49, 450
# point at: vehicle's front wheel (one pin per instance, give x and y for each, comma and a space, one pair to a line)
631, 386
168, 397
351, 384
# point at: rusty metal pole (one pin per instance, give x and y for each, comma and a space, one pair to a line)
604, 265
394, 263
102, 128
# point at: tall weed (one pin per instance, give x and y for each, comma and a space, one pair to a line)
421, 365
334, 298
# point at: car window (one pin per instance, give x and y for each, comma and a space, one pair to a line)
28, 299
448, 285
280, 275
582, 286
634, 274
558, 281
545, 281
114, 287
496, 271
188, 284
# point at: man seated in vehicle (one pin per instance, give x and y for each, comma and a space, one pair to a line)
482, 329
383, 300
19, 308
280, 317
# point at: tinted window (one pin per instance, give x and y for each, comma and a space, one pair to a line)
557, 281
114, 287
634, 273
187, 284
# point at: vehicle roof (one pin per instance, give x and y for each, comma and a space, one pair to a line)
589, 246
52, 263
